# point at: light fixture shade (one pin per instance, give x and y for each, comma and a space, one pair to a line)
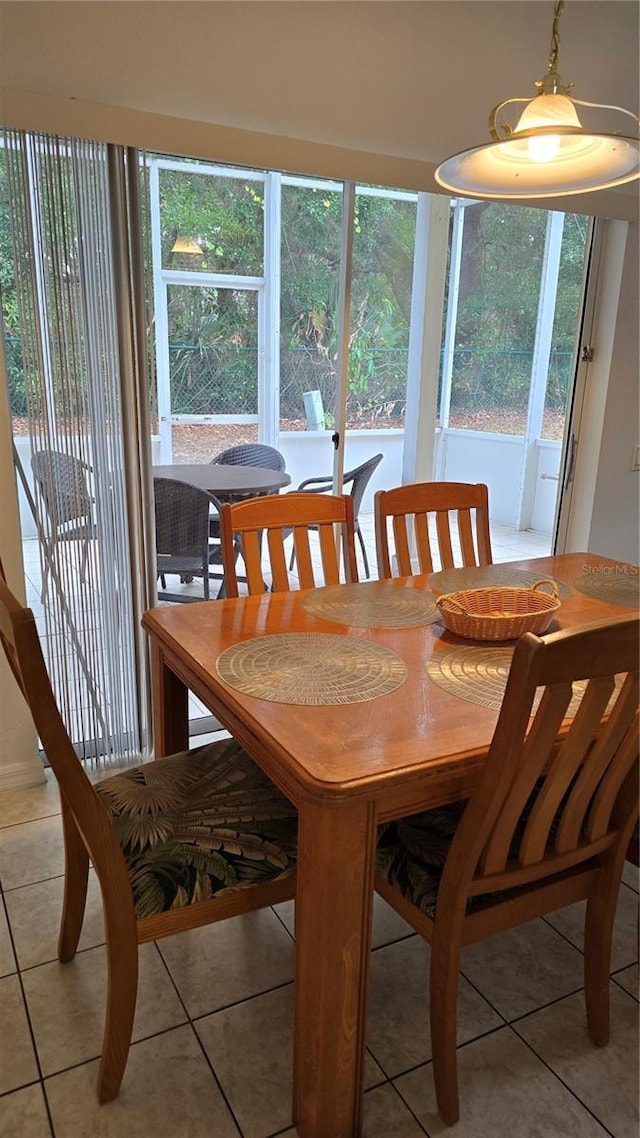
549, 111
187, 245
583, 162
548, 153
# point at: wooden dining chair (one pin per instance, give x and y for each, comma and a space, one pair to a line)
408, 509
243, 525
548, 824
176, 844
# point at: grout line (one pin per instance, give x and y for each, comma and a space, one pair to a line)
27, 1013
562, 1081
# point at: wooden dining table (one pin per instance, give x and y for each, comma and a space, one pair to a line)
413, 741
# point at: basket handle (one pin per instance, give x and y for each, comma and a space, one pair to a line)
547, 581
453, 605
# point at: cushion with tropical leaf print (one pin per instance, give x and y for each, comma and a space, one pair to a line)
412, 851
196, 824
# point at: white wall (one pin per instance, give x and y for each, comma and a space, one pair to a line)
473, 456
469, 456
345, 90
616, 505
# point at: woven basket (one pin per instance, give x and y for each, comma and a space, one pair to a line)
499, 612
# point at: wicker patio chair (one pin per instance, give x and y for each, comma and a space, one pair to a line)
61, 481
251, 454
354, 482
183, 543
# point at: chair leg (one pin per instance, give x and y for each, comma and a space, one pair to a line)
85, 559
49, 551
443, 986
364, 550
45, 583
75, 887
122, 988
598, 935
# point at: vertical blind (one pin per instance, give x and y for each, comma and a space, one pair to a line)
63, 244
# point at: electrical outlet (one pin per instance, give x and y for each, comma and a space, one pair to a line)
635, 459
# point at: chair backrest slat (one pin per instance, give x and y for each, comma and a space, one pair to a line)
304, 564
465, 533
252, 557
443, 530
410, 509
422, 541
329, 554
601, 756
294, 515
402, 543
612, 786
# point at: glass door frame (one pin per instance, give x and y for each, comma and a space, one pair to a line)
166, 418
266, 288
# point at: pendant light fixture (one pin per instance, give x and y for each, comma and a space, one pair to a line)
548, 152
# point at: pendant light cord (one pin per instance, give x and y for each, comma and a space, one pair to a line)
555, 37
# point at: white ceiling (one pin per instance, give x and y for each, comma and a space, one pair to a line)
412, 79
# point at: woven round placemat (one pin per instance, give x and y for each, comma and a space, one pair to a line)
375, 604
479, 675
479, 576
616, 588
312, 668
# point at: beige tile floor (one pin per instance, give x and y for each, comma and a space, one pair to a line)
213, 1031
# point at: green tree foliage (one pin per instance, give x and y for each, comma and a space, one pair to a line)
10, 319
213, 342
213, 329
503, 250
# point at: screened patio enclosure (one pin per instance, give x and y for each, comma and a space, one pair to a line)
245, 271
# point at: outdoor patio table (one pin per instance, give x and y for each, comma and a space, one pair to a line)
225, 481
409, 745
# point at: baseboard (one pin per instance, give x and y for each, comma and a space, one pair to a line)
21, 776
